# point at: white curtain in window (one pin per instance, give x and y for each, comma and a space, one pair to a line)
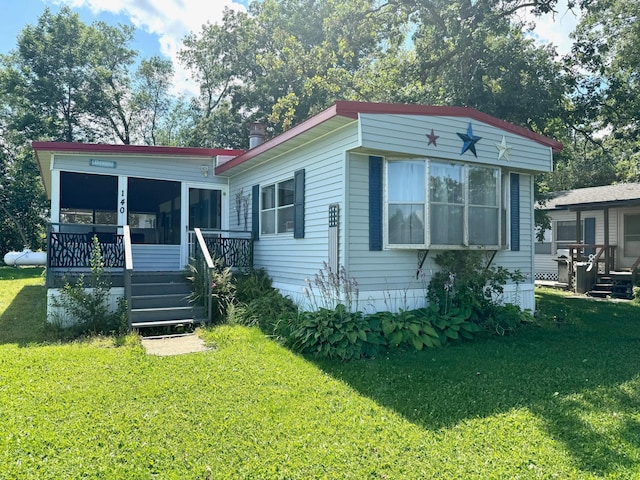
406, 181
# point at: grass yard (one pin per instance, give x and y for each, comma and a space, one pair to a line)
560, 399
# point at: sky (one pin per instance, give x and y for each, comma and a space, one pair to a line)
162, 24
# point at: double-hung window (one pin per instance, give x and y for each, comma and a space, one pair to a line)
276, 208
438, 204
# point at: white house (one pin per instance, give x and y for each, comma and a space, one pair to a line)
377, 188
595, 225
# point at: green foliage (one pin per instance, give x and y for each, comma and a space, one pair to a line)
23, 205
86, 303
560, 399
330, 289
505, 319
335, 333
259, 304
412, 328
464, 285
217, 282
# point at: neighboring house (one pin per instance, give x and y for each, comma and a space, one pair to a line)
377, 188
596, 225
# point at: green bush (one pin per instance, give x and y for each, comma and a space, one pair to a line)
259, 304
407, 328
86, 303
336, 333
222, 287
466, 284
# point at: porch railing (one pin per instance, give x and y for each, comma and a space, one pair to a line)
203, 258
69, 246
233, 247
593, 255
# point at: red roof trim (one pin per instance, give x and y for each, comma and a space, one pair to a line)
351, 110
72, 147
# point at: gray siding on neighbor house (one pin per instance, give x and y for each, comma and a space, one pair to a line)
288, 260
406, 134
185, 169
389, 270
545, 264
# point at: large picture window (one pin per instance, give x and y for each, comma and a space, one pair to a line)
276, 208
460, 203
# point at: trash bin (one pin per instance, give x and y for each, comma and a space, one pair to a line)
583, 278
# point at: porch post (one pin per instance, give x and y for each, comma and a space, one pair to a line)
122, 200
607, 253
578, 226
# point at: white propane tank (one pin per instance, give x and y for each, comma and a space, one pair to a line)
25, 257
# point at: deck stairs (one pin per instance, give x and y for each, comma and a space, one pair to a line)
160, 299
613, 285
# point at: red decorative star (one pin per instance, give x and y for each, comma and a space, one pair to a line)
432, 138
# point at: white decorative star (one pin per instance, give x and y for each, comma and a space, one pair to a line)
503, 149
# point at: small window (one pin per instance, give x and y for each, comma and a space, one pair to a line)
632, 235
276, 208
566, 233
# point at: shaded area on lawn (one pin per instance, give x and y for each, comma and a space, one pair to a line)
577, 370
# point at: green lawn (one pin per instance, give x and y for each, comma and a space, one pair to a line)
557, 400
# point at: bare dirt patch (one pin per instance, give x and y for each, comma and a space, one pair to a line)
174, 345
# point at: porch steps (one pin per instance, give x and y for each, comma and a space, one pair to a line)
614, 285
160, 299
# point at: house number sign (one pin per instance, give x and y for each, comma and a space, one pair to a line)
123, 202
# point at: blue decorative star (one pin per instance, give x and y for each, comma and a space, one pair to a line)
469, 140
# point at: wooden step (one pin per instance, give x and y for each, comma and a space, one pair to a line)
168, 323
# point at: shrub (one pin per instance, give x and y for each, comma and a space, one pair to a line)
222, 287
335, 333
89, 308
465, 283
506, 319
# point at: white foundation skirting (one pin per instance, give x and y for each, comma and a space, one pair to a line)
522, 295
59, 315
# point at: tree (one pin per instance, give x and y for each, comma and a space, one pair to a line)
151, 95
605, 64
109, 101
22, 201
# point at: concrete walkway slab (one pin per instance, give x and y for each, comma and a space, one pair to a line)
173, 345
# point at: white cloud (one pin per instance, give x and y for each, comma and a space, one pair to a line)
170, 20
555, 27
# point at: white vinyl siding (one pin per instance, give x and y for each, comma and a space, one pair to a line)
290, 261
406, 134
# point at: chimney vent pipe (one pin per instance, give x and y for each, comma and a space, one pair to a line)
257, 132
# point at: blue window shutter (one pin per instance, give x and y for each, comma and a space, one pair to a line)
375, 203
255, 212
589, 234
298, 204
515, 211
